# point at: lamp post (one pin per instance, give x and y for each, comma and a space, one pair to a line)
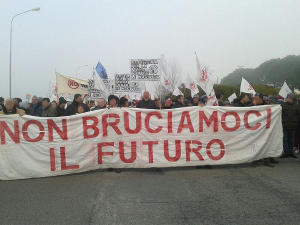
10, 47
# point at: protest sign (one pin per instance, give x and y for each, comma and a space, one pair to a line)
109, 85
145, 70
94, 92
135, 87
137, 138
122, 83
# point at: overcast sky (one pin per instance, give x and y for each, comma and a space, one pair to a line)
66, 34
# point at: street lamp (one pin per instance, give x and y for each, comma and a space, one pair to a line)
11, 23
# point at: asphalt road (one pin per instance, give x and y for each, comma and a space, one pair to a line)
222, 195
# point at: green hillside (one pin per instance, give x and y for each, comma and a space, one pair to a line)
271, 72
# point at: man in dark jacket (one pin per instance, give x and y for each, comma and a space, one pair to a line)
243, 101
48, 109
35, 108
259, 100
290, 120
73, 107
180, 102
146, 102
60, 109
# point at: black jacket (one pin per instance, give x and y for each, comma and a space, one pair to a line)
290, 116
178, 105
72, 109
150, 104
98, 107
60, 111
239, 104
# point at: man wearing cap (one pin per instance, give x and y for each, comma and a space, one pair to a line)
60, 109
290, 120
73, 107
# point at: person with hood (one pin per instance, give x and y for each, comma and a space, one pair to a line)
72, 109
290, 120
48, 109
201, 102
60, 109
146, 102
10, 108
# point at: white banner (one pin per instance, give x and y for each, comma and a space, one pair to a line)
70, 85
137, 138
145, 70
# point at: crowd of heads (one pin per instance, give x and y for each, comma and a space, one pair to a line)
45, 108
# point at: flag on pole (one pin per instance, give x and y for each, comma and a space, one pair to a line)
70, 85
246, 87
97, 88
212, 99
285, 90
193, 87
206, 83
232, 97
101, 71
177, 92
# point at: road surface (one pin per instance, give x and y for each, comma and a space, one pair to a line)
238, 194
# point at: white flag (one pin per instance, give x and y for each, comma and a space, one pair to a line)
212, 99
70, 85
232, 97
203, 79
206, 83
285, 90
177, 92
193, 87
97, 88
246, 87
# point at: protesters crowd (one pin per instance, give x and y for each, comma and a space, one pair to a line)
43, 107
